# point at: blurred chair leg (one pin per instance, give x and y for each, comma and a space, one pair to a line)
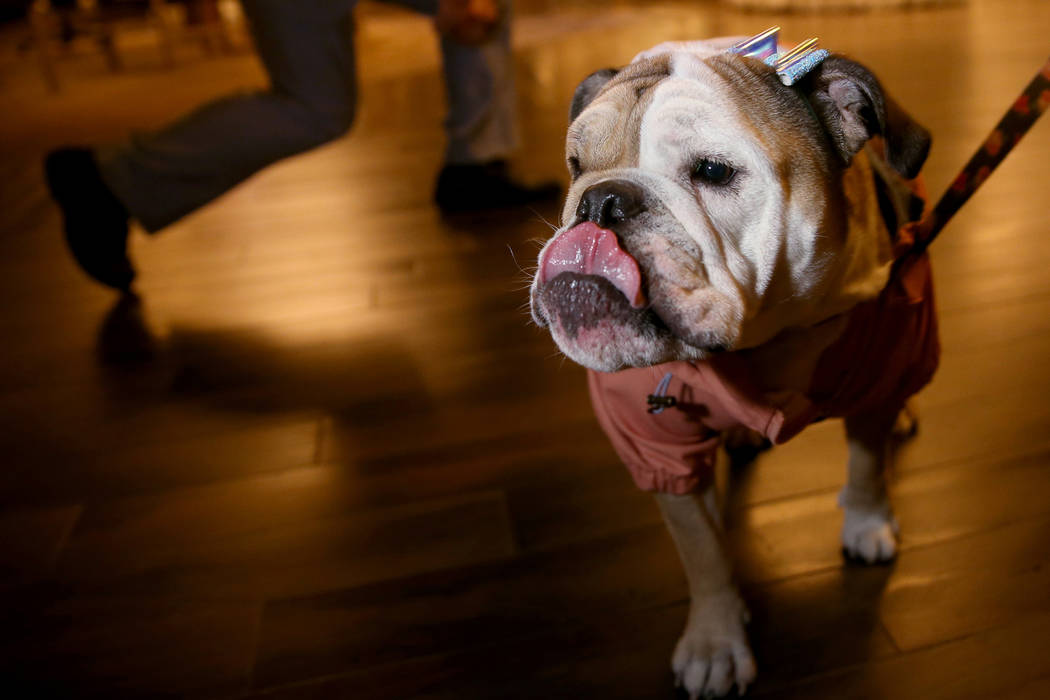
90, 21
161, 18
42, 20
107, 41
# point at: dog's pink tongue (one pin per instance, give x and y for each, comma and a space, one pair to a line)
590, 250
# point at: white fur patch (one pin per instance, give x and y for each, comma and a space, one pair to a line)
713, 655
703, 48
869, 534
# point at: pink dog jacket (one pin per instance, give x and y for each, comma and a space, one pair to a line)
887, 352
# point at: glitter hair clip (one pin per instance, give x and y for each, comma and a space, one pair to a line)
790, 66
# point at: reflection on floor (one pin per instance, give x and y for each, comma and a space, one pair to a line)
327, 456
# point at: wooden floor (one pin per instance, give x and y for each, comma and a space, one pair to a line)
328, 457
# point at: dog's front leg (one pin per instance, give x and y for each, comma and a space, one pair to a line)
869, 530
712, 655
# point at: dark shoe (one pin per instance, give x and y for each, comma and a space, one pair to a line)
477, 187
96, 223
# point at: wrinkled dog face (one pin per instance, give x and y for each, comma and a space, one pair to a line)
705, 211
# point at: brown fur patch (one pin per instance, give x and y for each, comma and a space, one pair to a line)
599, 144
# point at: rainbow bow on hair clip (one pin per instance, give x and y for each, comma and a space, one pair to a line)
790, 66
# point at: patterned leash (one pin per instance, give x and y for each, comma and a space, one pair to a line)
1028, 107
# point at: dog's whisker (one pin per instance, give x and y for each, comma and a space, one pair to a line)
514, 257
543, 220
557, 354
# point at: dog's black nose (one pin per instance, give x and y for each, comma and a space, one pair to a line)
611, 202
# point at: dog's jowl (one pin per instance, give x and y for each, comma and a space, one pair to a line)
729, 244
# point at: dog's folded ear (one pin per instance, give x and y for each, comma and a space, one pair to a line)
853, 107
588, 90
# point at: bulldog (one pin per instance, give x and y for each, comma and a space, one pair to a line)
734, 254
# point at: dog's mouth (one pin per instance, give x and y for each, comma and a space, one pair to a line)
590, 292
587, 249
585, 277
576, 302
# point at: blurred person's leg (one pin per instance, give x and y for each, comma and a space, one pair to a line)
156, 178
479, 85
307, 50
481, 124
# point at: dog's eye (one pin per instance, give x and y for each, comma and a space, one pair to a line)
712, 172
574, 167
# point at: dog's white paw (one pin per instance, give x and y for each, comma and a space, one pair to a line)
712, 655
869, 535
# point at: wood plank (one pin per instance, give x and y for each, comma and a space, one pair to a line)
286, 535
463, 609
991, 579
148, 643
572, 660
1008, 661
30, 541
106, 458
621, 656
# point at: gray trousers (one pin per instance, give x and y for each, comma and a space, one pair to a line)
307, 48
